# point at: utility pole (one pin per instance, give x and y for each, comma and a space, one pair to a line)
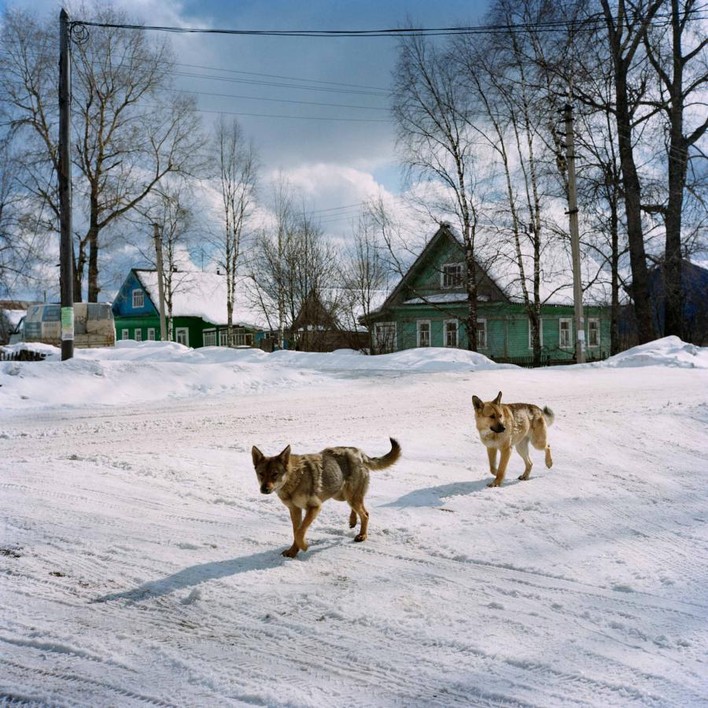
574, 236
160, 281
66, 256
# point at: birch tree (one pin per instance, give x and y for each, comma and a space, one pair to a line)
236, 159
436, 144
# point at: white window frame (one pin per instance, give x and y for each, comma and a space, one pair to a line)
151, 334
138, 334
419, 339
138, 299
449, 282
598, 339
482, 328
567, 321
209, 337
182, 333
243, 338
540, 332
445, 333
125, 334
390, 336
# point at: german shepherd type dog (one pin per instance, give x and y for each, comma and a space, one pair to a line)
305, 482
502, 427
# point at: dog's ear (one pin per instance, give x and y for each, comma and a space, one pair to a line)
497, 400
284, 456
478, 403
257, 455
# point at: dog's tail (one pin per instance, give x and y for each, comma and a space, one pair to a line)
549, 415
390, 458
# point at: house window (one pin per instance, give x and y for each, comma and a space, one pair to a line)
593, 333
125, 334
452, 275
151, 334
481, 334
385, 337
223, 337
243, 339
138, 334
450, 333
182, 336
540, 333
209, 337
138, 299
423, 327
565, 333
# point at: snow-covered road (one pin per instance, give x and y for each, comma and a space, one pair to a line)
140, 565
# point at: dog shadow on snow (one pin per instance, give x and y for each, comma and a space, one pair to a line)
435, 496
196, 575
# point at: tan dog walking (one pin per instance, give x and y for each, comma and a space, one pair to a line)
503, 426
305, 482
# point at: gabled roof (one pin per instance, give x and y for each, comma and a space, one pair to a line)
556, 287
203, 295
444, 233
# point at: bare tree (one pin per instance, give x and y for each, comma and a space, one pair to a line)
678, 55
170, 208
237, 163
429, 107
510, 108
366, 274
626, 25
292, 263
25, 254
129, 134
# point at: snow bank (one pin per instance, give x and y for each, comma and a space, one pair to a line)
669, 351
141, 372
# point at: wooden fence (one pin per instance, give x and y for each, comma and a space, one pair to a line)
22, 355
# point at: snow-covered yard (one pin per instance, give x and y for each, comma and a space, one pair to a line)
140, 565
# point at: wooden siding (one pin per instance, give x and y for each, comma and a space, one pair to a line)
507, 328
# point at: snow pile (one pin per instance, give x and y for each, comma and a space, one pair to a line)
141, 372
669, 351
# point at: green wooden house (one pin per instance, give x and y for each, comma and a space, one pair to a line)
198, 313
428, 308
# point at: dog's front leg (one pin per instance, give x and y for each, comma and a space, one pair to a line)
310, 516
501, 470
295, 518
492, 454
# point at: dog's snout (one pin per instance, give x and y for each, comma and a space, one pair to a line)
498, 428
265, 489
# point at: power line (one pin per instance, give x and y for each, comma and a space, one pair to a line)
589, 23
283, 100
285, 78
277, 84
390, 33
272, 115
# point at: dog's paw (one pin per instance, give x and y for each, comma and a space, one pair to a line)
495, 483
360, 537
291, 552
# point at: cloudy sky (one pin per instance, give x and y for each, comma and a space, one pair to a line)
316, 108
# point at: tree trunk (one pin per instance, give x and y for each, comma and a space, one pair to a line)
633, 210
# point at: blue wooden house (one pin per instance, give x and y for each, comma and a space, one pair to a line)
197, 310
